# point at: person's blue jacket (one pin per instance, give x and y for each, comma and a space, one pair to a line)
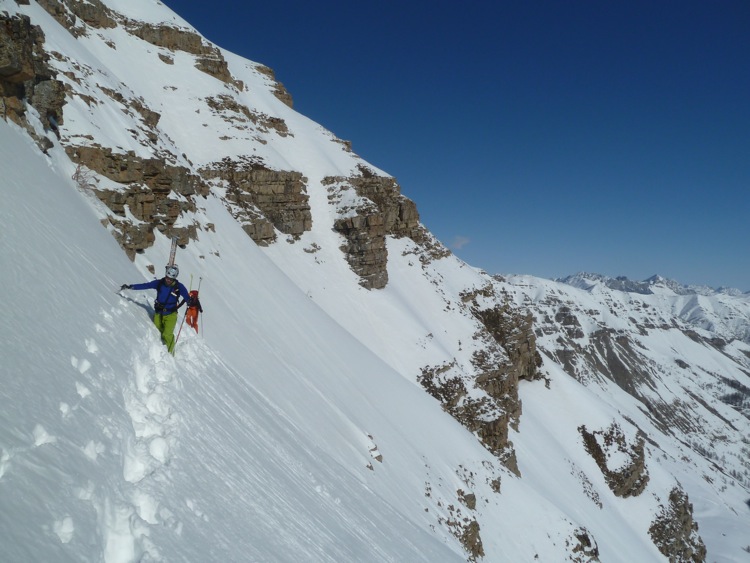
167, 296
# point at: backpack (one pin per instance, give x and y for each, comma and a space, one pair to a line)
172, 298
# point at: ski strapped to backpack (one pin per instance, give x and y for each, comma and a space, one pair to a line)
161, 307
172, 252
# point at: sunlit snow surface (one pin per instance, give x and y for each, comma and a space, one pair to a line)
258, 440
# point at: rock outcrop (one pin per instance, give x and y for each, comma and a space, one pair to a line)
72, 15
238, 115
675, 532
457, 512
262, 199
583, 549
208, 57
78, 16
278, 88
377, 209
630, 477
481, 414
510, 327
152, 192
507, 353
26, 78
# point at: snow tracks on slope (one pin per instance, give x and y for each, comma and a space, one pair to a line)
144, 435
146, 453
147, 400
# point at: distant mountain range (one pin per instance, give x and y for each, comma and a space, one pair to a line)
654, 284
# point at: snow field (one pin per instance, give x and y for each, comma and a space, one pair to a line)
292, 428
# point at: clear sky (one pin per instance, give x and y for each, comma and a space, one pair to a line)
536, 137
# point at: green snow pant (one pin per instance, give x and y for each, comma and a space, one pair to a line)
166, 324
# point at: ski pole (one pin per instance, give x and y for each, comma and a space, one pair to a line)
202, 317
183, 321
179, 331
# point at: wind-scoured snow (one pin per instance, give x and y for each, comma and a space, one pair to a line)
292, 427
252, 444
114, 450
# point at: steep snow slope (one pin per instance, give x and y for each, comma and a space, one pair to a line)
260, 440
676, 383
257, 449
113, 449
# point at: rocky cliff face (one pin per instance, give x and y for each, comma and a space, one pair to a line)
80, 17
630, 477
378, 210
507, 354
162, 192
73, 15
589, 348
26, 78
146, 195
262, 199
675, 532
630, 340
154, 192
208, 57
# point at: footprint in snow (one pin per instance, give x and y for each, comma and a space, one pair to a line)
85, 493
81, 365
64, 529
82, 390
137, 462
159, 449
146, 506
4, 463
193, 507
65, 410
41, 436
93, 450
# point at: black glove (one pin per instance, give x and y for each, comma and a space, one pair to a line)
126, 286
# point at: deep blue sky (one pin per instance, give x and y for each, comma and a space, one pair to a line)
536, 137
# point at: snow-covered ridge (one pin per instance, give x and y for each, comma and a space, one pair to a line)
314, 419
586, 280
723, 312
